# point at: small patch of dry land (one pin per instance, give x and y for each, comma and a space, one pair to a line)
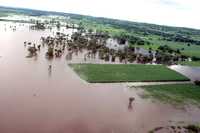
109, 73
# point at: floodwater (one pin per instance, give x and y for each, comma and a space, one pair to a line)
191, 72
33, 100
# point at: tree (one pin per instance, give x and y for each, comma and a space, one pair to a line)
50, 52
58, 25
197, 82
32, 51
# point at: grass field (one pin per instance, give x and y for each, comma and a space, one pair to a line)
176, 94
191, 63
108, 73
3, 14
192, 50
156, 41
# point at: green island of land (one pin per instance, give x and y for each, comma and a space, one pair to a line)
108, 73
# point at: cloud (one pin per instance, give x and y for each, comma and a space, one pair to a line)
164, 12
169, 3
176, 4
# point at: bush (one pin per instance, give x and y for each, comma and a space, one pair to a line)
194, 58
50, 52
197, 82
193, 129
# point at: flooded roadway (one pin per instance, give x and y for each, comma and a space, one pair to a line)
32, 100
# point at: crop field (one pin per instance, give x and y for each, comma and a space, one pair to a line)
191, 50
176, 94
108, 73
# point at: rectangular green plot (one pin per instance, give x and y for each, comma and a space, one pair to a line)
108, 73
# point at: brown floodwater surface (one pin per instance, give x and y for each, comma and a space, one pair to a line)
32, 100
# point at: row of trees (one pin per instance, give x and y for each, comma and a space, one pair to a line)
94, 42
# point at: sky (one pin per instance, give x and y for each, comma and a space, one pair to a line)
181, 13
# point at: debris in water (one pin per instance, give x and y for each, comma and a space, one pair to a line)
131, 99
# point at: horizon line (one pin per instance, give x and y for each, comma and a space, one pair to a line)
133, 21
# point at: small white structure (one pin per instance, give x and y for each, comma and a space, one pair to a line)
114, 44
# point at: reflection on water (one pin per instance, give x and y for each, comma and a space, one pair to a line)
130, 105
50, 70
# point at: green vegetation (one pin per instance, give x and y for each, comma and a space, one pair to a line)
148, 36
191, 63
185, 48
144, 35
3, 14
96, 73
177, 94
138, 37
92, 25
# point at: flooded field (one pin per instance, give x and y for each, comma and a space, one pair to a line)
191, 72
34, 100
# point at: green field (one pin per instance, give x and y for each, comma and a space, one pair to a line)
191, 63
176, 94
155, 40
192, 50
3, 14
108, 73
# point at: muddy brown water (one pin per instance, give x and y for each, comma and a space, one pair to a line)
34, 101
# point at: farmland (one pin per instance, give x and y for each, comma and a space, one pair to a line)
106, 73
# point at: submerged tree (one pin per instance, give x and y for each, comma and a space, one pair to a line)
32, 51
50, 52
38, 26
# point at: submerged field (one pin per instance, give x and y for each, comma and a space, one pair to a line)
97, 73
177, 94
